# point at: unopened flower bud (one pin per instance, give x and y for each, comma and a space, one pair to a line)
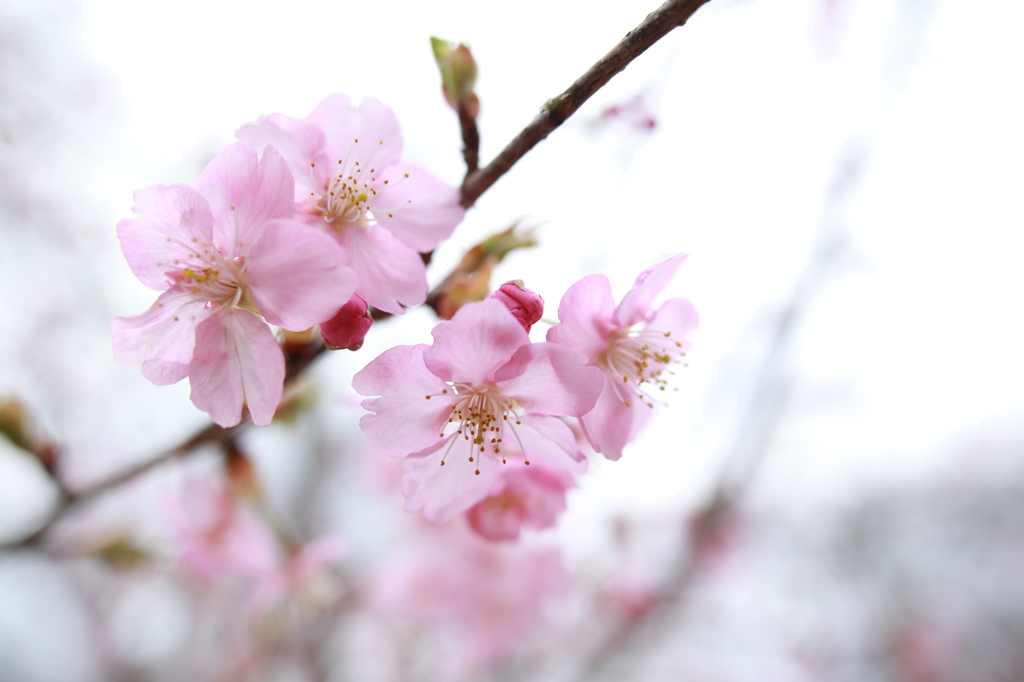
525, 305
348, 327
458, 74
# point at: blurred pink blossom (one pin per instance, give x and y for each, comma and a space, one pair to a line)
633, 360
487, 597
304, 575
481, 383
522, 497
216, 536
350, 180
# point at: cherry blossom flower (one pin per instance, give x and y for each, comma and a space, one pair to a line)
522, 497
478, 397
350, 180
633, 360
224, 254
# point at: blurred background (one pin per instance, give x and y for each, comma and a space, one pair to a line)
833, 493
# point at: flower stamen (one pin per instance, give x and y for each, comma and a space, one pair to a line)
479, 414
640, 359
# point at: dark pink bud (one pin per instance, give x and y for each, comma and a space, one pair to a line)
348, 327
525, 305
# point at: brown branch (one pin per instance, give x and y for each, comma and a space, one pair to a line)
655, 27
470, 139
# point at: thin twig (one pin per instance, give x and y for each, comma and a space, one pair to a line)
655, 27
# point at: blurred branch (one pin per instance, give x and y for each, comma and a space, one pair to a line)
69, 499
558, 109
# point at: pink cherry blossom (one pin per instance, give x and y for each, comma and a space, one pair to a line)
522, 497
524, 304
633, 343
224, 254
478, 397
350, 180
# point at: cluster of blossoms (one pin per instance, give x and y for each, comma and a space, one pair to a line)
306, 221
487, 420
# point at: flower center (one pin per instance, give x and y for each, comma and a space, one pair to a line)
348, 192
479, 415
345, 199
220, 282
633, 359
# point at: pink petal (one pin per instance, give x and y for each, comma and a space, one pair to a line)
403, 421
472, 345
398, 372
236, 360
399, 427
547, 440
585, 313
420, 210
299, 143
547, 378
390, 274
611, 424
296, 275
636, 304
244, 193
167, 331
678, 316
373, 124
523, 496
444, 492
174, 223
164, 373
494, 519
